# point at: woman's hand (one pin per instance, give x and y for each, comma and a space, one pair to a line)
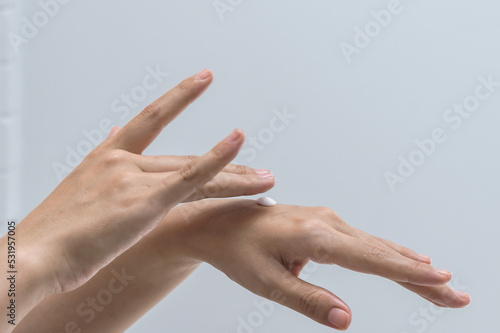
265, 248
116, 196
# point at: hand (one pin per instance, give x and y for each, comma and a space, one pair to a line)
265, 248
116, 195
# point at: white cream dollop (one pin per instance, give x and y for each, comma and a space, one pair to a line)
266, 201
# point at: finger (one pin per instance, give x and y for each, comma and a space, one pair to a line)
344, 227
312, 301
183, 183
224, 185
404, 251
172, 163
371, 258
138, 134
114, 130
443, 296
409, 253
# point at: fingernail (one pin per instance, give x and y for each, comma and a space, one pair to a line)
461, 294
203, 75
234, 136
442, 272
265, 174
338, 318
426, 258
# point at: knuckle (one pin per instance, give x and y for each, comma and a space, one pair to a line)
124, 180
418, 267
184, 91
241, 169
310, 303
326, 212
129, 201
446, 296
218, 152
115, 157
249, 181
188, 172
189, 158
152, 111
211, 189
183, 87
377, 253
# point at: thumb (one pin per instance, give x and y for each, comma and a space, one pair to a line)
114, 130
312, 301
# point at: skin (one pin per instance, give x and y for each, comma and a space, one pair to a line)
261, 248
114, 216
91, 217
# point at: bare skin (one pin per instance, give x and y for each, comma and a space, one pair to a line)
92, 217
261, 248
110, 233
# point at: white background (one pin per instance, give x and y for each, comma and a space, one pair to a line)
353, 121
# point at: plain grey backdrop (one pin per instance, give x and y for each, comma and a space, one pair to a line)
359, 101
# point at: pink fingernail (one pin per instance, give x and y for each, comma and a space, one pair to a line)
426, 258
234, 136
265, 173
338, 318
461, 294
442, 272
203, 75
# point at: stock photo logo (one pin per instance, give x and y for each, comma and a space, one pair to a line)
454, 118
224, 7
263, 309
89, 309
365, 34
30, 27
122, 107
420, 320
280, 120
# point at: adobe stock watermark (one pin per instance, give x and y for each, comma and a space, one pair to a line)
122, 107
367, 33
92, 306
420, 320
263, 309
30, 27
254, 144
454, 118
224, 7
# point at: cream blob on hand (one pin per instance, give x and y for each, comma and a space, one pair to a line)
266, 201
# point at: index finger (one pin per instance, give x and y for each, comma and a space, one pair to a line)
181, 184
355, 254
141, 131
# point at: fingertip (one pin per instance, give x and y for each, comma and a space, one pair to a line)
204, 75
425, 259
339, 318
464, 297
236, 136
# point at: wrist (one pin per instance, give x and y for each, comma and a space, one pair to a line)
172, 239
35, 267
27, 280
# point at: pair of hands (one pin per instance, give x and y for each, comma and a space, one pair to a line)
117, 196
